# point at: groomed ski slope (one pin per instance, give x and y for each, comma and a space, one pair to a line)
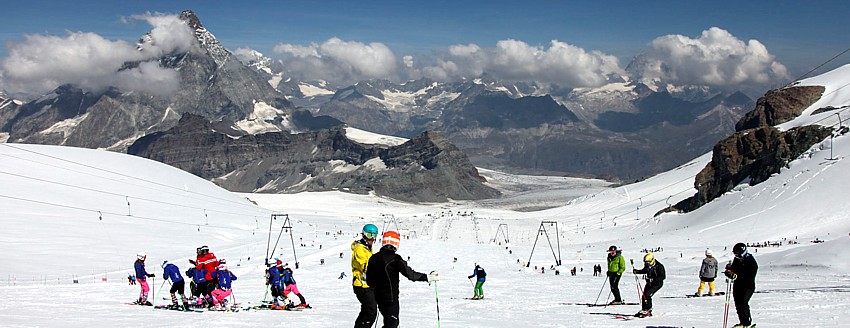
65, 216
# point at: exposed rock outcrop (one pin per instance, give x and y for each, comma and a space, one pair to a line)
760, 150
425, 169
779, 106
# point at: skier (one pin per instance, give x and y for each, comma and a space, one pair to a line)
142, 278
208, 262
707, 273
292, 287
742, 271
361, 252
198, 286
172, 272
382, 276
273, 281
655, 276
223, 275
616, 267
479, 281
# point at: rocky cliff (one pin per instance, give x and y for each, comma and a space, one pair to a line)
758, 150
425, 169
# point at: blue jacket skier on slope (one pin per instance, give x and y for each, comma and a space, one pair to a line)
172, 272
479, 282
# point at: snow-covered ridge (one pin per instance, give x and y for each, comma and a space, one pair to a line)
369, 138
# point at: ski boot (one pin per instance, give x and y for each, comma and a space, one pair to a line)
644, 314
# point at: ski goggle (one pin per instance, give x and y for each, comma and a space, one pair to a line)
370, 235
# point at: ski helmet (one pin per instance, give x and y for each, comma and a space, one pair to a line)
142, 255
391, 238
739, 249
222, 261
370, 231
204, 249
278, 262
164, 264
222, 267
708, 252
612, 248
649, 258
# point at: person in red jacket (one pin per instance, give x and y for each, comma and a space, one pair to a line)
206, 261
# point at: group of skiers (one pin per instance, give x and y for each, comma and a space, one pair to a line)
210, 285
741, 271
281, 283
375, 279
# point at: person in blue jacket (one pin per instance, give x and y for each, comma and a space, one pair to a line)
274, 281
172, 272
290, 286
142, 278
198, 285
224, 277
479, 282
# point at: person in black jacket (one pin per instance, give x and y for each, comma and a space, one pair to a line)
742, 271
382, 276
655, 276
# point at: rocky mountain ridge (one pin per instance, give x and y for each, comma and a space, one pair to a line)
427, 168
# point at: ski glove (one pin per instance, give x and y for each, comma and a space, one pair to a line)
731, 275
151, 275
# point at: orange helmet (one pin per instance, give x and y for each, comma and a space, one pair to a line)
391, 238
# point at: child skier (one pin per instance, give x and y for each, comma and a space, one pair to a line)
707, 273
655, 276
142, 278
291, 287
172, 272
199, 284
273, 281
220, 294
382, 276
479, 282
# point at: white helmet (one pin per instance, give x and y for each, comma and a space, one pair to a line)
164, 264
142, 255
707, 252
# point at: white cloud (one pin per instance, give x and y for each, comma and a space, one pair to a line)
561, 63
717, 58
339, 61
40, 63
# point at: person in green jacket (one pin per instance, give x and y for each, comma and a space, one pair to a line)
616, 267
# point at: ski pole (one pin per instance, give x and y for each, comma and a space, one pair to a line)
600, 292
726, 305
437, 297
637, 282
153, 280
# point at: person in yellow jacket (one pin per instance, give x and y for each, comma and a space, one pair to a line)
361, 251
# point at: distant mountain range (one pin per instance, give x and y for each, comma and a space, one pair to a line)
622, 130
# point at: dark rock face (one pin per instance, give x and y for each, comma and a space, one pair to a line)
779, 106
753, 154
425, 169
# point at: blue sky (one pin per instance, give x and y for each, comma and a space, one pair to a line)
799, 35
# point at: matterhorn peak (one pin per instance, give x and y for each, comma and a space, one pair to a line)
191, 19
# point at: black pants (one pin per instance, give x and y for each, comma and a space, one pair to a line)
390, 312
275, 289
648, 291
368, 307
742, 304
177, 287
614, 281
